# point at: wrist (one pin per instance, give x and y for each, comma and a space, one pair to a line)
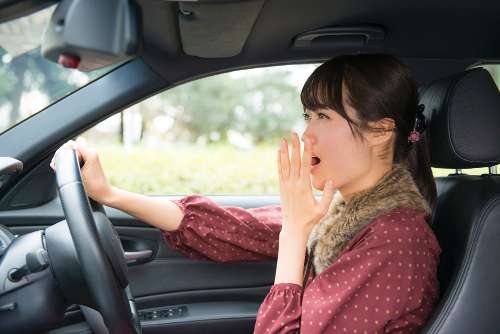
110, 196
295, 238
295, 234
291, 253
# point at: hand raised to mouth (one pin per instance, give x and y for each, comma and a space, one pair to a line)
301, 210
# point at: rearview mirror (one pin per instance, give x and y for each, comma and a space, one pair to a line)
91, 34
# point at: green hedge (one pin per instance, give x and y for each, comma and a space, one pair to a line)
213, 169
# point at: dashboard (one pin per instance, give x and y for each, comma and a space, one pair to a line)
6, 238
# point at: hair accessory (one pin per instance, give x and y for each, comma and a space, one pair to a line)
420, 126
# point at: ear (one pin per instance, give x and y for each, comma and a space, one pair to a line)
381, 131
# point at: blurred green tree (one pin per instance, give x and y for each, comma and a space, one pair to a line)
257, 104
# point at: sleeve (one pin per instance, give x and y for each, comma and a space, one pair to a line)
382, 285
280, 312
224, 234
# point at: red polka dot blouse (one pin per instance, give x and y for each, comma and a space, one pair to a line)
384, 281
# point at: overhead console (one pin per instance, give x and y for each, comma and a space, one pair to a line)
89, 35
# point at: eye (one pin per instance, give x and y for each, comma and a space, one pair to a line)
320, 115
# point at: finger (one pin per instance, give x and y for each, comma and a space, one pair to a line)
53, 161
81, 140
305, 169
280, 174
295, 165
83, 152
285, 160
278, 158
67, 145
328, 193
70, 144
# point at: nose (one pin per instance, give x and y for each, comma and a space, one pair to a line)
307, 135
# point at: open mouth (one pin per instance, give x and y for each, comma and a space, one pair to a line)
315, 161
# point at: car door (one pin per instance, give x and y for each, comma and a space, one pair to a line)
217, 297
174, 294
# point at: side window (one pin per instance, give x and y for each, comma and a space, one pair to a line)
217, 135
494, 70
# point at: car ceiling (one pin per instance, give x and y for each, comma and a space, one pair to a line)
434, 37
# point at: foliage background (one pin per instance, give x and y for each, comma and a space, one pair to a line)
216, 135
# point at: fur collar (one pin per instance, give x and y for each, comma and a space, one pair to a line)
343, 220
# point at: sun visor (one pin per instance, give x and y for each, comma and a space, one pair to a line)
216, 29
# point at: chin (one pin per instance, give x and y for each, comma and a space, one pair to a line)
318, 184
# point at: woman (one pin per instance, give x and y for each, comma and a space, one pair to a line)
361, 260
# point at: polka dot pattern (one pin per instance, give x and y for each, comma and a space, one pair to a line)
225, 234
384, 281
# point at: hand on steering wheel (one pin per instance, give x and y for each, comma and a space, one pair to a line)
98, 248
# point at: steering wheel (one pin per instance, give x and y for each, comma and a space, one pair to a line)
98, 248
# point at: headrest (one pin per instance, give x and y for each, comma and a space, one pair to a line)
463, 113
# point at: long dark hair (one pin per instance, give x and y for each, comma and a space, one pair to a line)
377, 86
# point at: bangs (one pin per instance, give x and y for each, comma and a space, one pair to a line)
323, 89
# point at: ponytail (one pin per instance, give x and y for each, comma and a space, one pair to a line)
418, 162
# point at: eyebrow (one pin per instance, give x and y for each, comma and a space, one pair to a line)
308, 110
316, 111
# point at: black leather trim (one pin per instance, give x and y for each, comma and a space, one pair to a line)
467, 225
463, 113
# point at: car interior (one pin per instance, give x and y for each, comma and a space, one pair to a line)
70, 265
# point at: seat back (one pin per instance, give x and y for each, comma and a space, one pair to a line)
463, 113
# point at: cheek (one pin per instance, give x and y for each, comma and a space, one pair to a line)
345, 156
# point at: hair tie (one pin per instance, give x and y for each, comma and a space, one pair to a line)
419, 127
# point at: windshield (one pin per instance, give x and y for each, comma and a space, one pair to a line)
29, 82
